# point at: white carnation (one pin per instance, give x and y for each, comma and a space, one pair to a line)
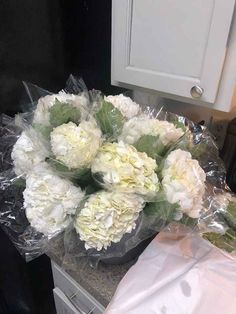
74, 145
143, 125
183, 182
42, 113
126, 105
124, 168
27, 152
106, 217
49, 200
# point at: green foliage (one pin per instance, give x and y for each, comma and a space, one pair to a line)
81, 176
44, 130
151, 145
62, 112
19, 182
188, 221
92, 188
225, 242
178, 124
162, 210
230, 215
198, 150
110, 119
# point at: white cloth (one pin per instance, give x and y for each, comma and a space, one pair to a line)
178, 273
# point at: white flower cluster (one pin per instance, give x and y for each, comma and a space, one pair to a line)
184, 182
76, 146
49, 200
27, 152
42, 111
126, 105
106, 217
127, 174
143, 125
123, 168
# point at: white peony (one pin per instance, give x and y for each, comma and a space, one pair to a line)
143, 125
42, 113
183, 182
49, 200
126, 105
74, 145
27, 152
124, 168
106, 217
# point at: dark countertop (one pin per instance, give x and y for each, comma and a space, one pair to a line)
100, 282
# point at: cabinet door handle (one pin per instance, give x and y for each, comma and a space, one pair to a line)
91, 311
71, 299
196, 91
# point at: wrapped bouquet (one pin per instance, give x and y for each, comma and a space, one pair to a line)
107, 173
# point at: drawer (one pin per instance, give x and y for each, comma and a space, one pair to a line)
77, 295
63, 306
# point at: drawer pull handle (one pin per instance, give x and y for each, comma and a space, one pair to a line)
71, 297
91, 311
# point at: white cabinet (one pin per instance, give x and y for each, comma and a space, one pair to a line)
173, 47
70, 297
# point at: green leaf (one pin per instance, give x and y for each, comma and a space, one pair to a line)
81, 176
92, 188
188, 221
110, 119
196, 150
45, 130
225, 242
151, 145
230, 215
19, 182
62, 112
162, 210
178, 124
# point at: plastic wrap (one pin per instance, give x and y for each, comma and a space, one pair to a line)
110, 173
169, 141
12, 214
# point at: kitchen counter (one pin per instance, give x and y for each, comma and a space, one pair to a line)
100, 282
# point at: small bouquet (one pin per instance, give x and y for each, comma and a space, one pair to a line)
40, 141
105, 173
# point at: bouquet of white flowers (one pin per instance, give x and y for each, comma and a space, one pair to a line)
107, 172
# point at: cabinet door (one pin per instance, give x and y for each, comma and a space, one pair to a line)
171, 46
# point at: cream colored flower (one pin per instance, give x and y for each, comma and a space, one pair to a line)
28, 151
183, 182
49, 200
126, 105
106, 217
123, 168
42, 111
76, 146
143, 125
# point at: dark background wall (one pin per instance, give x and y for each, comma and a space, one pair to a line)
43, 41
